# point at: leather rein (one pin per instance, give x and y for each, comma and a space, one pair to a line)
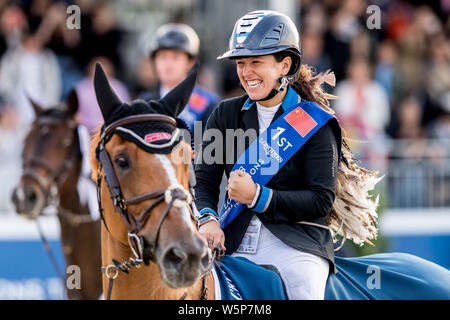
174, 196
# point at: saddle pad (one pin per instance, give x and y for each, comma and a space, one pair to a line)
388, 276
241, 279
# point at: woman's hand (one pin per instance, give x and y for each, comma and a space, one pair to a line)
213, 234
241, 187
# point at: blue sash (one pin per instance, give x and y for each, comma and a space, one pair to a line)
265, 157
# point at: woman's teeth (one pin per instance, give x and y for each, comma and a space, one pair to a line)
253, 84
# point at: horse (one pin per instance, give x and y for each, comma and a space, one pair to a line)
143, 229
52, 167
151, 246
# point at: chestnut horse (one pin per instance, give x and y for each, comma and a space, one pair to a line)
52, 165
151, 248
181, 255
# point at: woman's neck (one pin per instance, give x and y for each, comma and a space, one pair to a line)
279, 97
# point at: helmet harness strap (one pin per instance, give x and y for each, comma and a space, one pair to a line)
284, 83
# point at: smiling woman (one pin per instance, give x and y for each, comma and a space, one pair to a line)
259, 75
284, 217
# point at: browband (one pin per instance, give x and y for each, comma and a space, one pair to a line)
138, 118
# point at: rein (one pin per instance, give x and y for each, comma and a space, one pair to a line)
174, 196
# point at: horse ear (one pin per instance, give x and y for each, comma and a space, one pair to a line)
106, 97
38, 110
72, 103
175, 101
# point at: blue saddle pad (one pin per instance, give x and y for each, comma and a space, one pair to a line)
388, 276
241, 279
384, 276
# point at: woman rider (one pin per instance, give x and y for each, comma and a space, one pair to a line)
284, 222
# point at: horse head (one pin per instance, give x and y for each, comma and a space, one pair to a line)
51, 149
142, 168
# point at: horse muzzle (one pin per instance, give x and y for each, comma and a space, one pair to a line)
182, 264
28, 201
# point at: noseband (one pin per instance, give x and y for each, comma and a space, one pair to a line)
174, 196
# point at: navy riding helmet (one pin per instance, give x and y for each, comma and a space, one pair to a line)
265, 32
177, 36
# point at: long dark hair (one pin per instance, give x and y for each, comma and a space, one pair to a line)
353, 214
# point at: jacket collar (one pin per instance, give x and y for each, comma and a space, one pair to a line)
290, 99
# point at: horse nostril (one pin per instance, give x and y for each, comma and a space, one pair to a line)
30, 195
174, 258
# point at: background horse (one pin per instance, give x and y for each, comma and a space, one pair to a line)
143, 179
52, 166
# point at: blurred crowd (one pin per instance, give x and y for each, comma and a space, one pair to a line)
393, 82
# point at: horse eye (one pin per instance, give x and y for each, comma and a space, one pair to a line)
122, 162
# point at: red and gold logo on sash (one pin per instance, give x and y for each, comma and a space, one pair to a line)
301, 121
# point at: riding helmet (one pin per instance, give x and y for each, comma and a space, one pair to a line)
265, 32
176, 36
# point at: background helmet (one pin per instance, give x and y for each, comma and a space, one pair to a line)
176, 36
265, 32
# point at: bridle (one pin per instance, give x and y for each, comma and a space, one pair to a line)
49, 185
174, 196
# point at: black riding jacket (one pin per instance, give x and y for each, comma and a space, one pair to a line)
303, 189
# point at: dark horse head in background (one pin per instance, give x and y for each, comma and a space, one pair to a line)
51, 153
52, 167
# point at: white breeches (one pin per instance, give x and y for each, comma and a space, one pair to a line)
304, 274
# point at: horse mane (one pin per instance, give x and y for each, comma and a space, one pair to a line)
95, 139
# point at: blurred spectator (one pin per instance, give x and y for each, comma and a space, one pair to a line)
360, 46
437, 78
408, 166
344, 24
52, 31
413, 52
13, 24
398, 19
89, 112
103, 38
314, 18
313, 55
410, 125
440, 128
174, 52
385, 67
363, 106
29, 70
